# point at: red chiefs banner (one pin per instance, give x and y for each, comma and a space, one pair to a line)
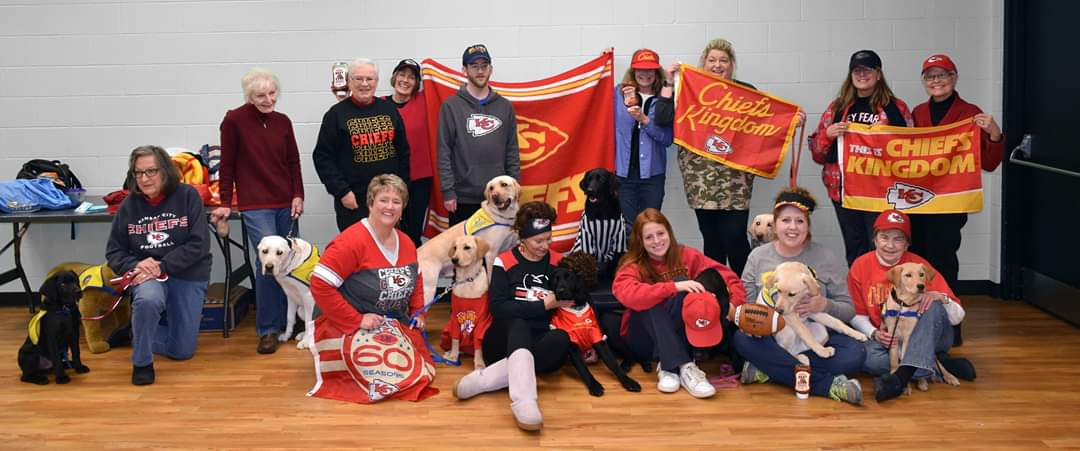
916, 170
731, 124
565, 127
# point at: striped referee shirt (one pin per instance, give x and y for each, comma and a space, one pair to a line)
604, 239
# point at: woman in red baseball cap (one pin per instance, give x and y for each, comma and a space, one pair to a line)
932, 337
937, 236
640, 141
864, 98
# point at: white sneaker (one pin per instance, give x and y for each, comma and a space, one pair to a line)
695, 381
668, 383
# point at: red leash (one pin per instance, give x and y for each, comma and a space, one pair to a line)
120, 285
796, 156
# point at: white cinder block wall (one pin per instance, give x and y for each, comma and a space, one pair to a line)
87, 81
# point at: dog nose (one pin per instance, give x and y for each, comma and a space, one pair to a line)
454, 260
269, 267
920, 287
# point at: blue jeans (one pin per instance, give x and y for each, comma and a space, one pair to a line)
635, 195
932, 334
270, 300
182, 302
779, 365
660, 332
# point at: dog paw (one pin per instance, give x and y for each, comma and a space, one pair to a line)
859, 336
595, 388
63, 379
825, 352
630, 385
82, 369
301, 344
922, 385
907, 391
479, 364
952, 380
39, 379
803, 359
284, 337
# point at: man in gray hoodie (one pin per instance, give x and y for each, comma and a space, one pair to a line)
477, 138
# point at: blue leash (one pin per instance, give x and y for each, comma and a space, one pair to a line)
435, 355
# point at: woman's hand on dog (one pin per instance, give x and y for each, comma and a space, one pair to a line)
690, 286
882, 337
370, 321
810, 305
929, 298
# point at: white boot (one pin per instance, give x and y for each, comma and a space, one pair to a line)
494, 377
523, 390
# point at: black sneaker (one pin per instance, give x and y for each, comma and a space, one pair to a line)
143, 375
887, 387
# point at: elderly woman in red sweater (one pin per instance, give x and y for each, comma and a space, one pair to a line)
259, 155
655, 283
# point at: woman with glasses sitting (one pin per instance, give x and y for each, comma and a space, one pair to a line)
160, 239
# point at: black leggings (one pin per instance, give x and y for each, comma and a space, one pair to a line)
463, 212
549, 348
724, 235
857, 228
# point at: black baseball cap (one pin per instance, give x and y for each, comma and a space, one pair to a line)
866, 58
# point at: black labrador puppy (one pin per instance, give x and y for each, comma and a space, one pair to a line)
57, 331
602, 214
568, 285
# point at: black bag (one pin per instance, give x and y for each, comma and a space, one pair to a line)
60, 173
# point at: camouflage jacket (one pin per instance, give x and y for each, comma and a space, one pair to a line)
712, 186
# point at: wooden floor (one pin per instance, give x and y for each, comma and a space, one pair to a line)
1027, 397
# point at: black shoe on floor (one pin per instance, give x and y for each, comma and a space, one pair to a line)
887, 387
958, 366
143, 375
120, 337
268, 344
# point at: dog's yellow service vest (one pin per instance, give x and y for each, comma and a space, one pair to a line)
303, 272
94, 278
480, 221
34, 328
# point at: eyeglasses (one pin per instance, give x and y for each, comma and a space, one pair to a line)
862, 71
937, 76
149, 173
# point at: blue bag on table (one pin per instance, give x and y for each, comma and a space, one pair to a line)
20, 196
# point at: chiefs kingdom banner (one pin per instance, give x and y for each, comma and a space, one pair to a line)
916, 170
565, 126
731, 124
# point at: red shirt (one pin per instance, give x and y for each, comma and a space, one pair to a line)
414, 114
258, 152
991, 152
869, 286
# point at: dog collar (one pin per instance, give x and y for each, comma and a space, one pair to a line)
904, 314
898, 301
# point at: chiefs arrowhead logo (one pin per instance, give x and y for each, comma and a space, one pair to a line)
537, 141
156, 237
717, 146
481, 124
905, 196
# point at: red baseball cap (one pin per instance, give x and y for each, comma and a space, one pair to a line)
645, 59
701, 316
893, 220
940, 60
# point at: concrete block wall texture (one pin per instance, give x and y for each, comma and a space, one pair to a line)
86, 82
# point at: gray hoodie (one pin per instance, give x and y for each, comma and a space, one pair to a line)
477, 142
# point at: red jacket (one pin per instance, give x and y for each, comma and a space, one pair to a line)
992, 152
820, 143
637, 295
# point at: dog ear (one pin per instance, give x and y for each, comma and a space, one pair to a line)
893, 275
770, 280
812, 284
930, 273
451, 251
482, 248
50, 290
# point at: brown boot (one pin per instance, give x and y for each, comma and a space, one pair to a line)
267, 344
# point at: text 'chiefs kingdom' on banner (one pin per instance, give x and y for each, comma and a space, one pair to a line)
915, 170
737, 126
565, 126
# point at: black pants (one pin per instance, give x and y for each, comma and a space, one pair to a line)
857, 228
463, 212
414, 218
937, 239
724, 233
549, 348
346, 217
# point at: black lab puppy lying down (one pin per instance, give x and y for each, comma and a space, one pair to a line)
53, 331
601, 231
569, 281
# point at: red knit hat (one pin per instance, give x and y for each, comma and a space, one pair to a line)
893, 220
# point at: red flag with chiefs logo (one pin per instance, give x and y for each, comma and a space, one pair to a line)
565, 127
915, 170
731, 124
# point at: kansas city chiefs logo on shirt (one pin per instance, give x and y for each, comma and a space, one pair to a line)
481, 124
156, 237
904, 196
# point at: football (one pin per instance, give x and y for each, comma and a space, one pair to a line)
757, 320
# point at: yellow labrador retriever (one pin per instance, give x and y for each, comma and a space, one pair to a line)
794, 281
471, 282
909, 282
500, 206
